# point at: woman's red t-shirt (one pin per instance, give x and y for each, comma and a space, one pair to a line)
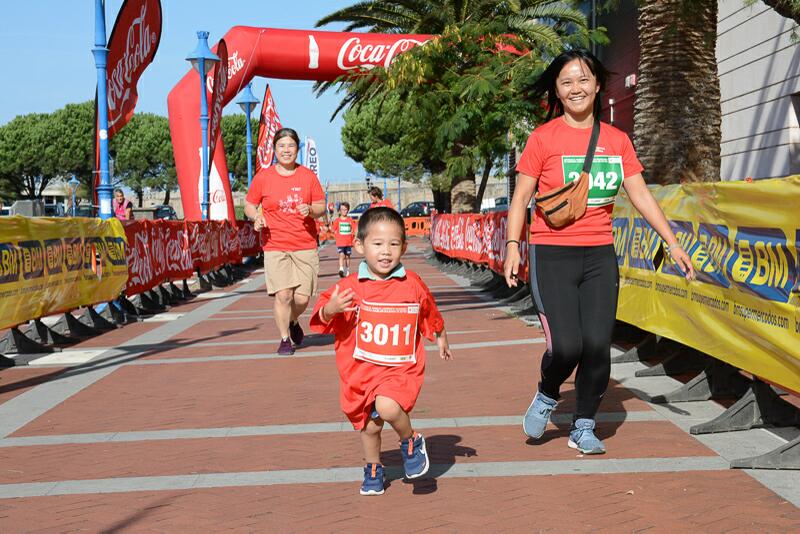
279, 197
554, 154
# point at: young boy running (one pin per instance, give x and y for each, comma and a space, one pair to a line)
342, 228
379, 317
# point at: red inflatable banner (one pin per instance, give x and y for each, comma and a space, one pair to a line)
477, 238
162, 251
271, 53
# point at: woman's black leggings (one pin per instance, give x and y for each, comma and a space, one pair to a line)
575, 291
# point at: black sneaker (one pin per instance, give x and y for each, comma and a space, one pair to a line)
341, 273
296, 333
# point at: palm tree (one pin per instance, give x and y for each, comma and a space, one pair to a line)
677, 117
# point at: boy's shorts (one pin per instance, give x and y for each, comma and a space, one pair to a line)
347, 251
296, 270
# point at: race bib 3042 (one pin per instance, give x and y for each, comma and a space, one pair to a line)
605, 177
387, 333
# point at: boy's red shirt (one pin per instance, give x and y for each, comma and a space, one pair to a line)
360, 382
344, 228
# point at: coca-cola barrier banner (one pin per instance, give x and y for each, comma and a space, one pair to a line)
479, 238
271, 53
160, 251
131, 48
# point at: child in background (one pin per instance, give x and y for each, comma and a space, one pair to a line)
379, 317
343, 227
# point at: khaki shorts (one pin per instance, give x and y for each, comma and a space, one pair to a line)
296, 270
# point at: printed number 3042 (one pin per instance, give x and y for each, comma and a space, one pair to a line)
603, 180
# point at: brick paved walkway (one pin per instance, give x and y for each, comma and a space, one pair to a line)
192, 422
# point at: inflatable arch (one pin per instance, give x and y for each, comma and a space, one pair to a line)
270, 53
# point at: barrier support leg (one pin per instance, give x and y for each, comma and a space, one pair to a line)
759, 406
6, 362
146, 304
718, 379
679, 363
15, 342
129, 307
97, 321
205, 282
187, 293
166, 296
45, 335
70, 326
644, 350
114, 313
157, 299
784, 457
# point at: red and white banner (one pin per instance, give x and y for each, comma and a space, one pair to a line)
270, 53
131, 48
311, 157
479, 238
268, 124
216, 85
160, 251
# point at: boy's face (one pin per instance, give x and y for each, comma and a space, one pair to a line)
382, 248
343, 210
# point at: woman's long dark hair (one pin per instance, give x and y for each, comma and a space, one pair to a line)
286, 132
547, 81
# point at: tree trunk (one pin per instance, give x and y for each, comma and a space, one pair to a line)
140, 196
677, 118
167, 191
487, 169
462, 193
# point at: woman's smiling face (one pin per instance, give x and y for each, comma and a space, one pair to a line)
576, 88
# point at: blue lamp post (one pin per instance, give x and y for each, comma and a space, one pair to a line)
100, 53
248, 103
73, 185
203, 60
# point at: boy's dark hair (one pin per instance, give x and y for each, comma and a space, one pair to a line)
380, 214
376, 192
345, 204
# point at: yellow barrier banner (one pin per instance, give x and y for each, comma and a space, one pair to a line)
51, 265
744, 306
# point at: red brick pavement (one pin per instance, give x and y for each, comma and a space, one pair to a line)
493, 381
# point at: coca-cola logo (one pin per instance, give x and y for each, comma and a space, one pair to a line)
235, 64
139, 43
217, 196
354, 55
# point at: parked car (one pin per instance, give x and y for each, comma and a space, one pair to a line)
359, 210
165, 212
421, 208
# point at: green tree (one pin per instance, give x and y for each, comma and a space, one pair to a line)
143, 155
465, 89
234, 137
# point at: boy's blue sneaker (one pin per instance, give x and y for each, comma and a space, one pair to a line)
373, 480
538, 414
415, 457
582, 437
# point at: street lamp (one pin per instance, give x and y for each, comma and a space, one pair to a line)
73, 185
203, 60
248, 102
100, 53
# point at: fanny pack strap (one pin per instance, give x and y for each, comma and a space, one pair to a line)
587, 161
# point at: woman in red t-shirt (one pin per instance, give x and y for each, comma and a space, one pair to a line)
376, 196
573, 269
290, 197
